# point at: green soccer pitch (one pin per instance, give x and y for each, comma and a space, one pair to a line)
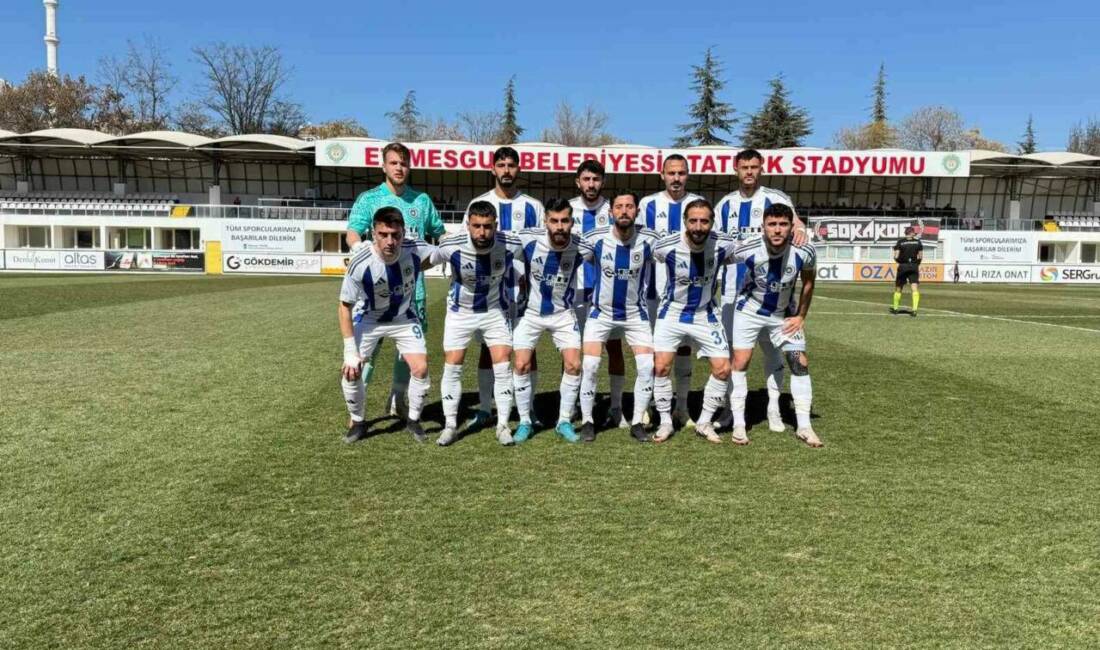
173, 475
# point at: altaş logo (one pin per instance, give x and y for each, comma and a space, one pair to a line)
1048, 274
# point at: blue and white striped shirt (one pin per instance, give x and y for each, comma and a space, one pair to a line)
551, 274
771, 279
624, 273
480, 281
743, 218
692, 275
513, 214
585, 220
381, 292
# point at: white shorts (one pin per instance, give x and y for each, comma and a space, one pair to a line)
748, 327
707, 337
582, 317
729, 310
409, 337
562, 327
601, 329
490, 327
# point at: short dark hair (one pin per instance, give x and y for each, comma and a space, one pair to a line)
910, 230
631, 193
388, 216
503, 153
779, 210
700, 203
590, 165
482, 209
558, 204
747, 154
397, 148
674, 156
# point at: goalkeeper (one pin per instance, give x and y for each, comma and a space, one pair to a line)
422, 221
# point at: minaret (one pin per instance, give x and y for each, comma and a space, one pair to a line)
51, 36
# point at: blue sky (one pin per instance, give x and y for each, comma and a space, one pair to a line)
995, 62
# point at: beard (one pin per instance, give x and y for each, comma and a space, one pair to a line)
559, 240
698, 238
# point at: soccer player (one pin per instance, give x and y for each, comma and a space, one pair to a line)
689, 313
623, 255
422, 221
663, 212
380, 285
740, 214
481, 260
908, 253
590, 211
551, 258
515, 211
767, 304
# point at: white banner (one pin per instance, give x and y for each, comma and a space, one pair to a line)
1063, 274
627, 159
834, 271
247, 262
978, 246
81, 260
33, 260
261, 235
990, 273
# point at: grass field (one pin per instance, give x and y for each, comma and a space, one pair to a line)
172, 476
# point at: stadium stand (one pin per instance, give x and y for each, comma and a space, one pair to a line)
1079, 221
68, 203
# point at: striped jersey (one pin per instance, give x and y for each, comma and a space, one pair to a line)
381, 292
480, 281
514, 214
771, 279
624, 273
585, 219
692, 275
660, 213
551, 274
743, 218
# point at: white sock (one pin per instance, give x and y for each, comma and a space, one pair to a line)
450, 389
617, 383
802, 394
739, 393
682, 369
775, 388
570, 386
522, 384
589, 366
418, 388
714, 395
643, 386
485, 389
662, 395
502, 391
354, 397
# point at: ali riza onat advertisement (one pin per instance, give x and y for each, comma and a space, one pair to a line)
155, 261
286, 263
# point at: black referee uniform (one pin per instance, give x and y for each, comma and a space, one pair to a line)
908, 253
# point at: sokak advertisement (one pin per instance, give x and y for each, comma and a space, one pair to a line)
887, 272
872, 230
154, 261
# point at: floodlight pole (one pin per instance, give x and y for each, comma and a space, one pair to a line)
51, 36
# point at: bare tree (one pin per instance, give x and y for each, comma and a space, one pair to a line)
346, 127
873, 135
974, 139
192, 117
481, 127
440, 129
933, 128
1085, 137
244, 87
144, 76
45, 101
583, 128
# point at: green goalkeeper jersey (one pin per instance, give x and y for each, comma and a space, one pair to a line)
422, 221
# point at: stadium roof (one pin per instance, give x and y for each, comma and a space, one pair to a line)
275, 148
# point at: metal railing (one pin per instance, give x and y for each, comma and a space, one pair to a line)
268, 212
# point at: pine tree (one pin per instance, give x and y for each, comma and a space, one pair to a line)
510, 130
709, 115
406, 120
1027, 145
778, 123
878, 111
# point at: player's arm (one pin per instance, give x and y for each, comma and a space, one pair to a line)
427, 253
433, 224
897, 250
359, 223
799, 234
920, 252
353, 363
795, 323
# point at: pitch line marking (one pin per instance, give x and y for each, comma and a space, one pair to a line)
961, 313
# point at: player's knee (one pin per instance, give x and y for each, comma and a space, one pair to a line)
418, 369
721, 373
798, 363
521, 366
571, 367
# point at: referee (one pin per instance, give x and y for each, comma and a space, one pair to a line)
908, 254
